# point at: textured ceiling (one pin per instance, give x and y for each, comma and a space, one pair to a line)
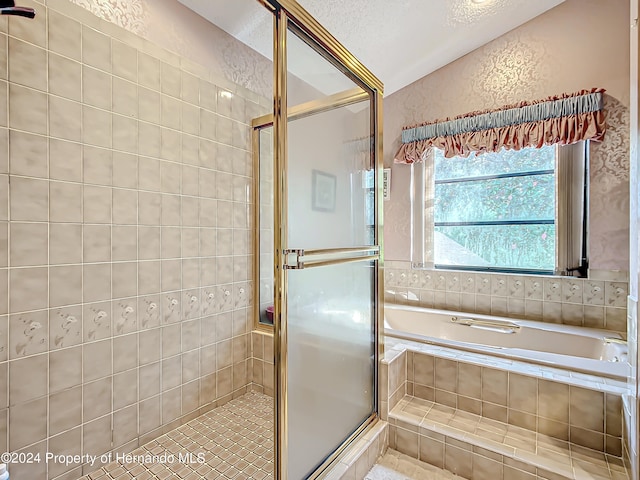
400, 41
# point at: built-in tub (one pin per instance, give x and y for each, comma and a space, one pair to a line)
588, 350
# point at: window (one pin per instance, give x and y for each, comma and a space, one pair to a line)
512, 211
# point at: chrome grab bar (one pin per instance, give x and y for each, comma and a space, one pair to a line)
504, 327
619, 341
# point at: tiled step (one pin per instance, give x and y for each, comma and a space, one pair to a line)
394, 465
478, 448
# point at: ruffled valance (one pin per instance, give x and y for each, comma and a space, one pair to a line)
361, 151
564, 119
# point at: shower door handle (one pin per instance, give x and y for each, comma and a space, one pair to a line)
299, 259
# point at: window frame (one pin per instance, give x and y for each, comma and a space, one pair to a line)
571, 175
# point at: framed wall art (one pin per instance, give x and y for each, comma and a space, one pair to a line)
323, 191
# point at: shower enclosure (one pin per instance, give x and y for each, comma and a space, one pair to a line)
318, 236
126, 241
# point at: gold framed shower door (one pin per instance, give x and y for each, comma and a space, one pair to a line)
289, 14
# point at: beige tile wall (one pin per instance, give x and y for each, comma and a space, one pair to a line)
125, 249
597, 302
261, 373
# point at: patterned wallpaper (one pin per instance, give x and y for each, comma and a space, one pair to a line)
172, 26
461, 12
129, 14
538, 59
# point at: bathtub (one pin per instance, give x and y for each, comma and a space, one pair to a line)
588, 350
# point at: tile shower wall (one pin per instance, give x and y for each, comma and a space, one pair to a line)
566, 300
125, 249
261, 373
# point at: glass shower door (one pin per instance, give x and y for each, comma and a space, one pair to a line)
329, 267
330, 359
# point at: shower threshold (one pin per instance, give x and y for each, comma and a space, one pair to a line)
233, 441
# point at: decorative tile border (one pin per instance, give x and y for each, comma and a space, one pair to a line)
596, 303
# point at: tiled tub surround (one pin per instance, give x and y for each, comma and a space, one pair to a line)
589, 418
468, 413
568, 300
125, 247
478, 448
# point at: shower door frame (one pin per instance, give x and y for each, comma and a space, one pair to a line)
288, 12
337, 100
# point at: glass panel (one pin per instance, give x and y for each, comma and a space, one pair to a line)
503, 246
311, 76
265, 273
329, 153
504, 161
330, 319
498, 199
330, 309
328, 196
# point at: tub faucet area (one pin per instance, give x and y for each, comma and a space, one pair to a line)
8, 7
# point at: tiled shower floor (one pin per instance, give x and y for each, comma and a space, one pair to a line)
235, 441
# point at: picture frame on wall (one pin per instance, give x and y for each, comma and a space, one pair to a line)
323, 191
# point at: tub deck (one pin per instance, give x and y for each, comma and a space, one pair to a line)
615, 385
